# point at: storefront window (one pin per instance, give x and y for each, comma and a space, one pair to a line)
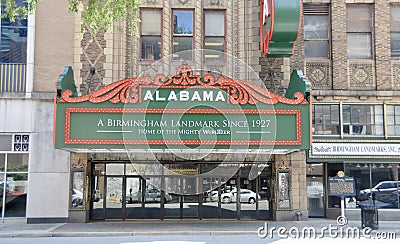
362, 119
77, 196
326, 119
379, 178
14, 161
16, 192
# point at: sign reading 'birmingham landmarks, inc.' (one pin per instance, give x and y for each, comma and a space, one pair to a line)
355, 149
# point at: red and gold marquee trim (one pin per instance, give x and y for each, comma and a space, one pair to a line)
129, 90
69, 140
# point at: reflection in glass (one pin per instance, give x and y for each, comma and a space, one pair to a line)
183, 34
326, 119
2, 162
13, 44
150, 34
16, 193
182, 47
114, 198
152, 197
17, 162
133, 198
315, 196
210, 198
183, 22
172, 208
115, 169
151, 46
77, 189
283, 196
99, 188
393, 119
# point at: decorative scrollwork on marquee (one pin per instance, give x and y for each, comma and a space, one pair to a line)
128, 90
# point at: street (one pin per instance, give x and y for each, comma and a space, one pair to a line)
183, 239
173, 239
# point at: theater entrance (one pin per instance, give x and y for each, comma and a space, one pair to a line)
119, 192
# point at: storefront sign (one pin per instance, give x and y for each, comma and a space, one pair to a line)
279, 26
355, 149
341, 186
184, 111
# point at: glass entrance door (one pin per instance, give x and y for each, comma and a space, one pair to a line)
114, 199
134, 207
315, 196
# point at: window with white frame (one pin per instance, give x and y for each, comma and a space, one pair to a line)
150, 34
359, 32
395, 31
362, 119
393, 120
316, 31
182, 34
326, 119
14, 163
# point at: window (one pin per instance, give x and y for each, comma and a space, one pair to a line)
182, 34
14, 162
379, 178
214, 36
13, 52
393, 120
359, 32
150, 37
13, 38
326, 119
316, 31
363, 119
395, 31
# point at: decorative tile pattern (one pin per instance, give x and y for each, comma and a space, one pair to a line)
319, 73
396, 75
361, 75
92, 59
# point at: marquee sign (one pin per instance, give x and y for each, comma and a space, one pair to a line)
279, 26
183, 111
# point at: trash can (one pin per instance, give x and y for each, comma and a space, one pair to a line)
369, 217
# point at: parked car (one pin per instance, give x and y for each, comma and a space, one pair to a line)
246, 195
381, 189
77, 198
153, 195
390, 201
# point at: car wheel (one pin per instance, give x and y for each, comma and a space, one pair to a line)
252, 200
225, 200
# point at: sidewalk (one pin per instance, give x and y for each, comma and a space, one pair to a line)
18, 228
